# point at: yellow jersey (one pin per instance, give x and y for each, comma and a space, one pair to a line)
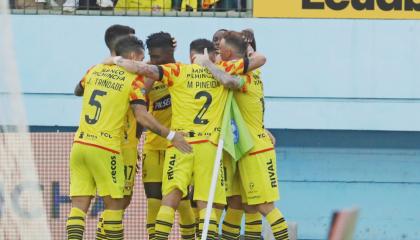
130, 139
160, 107
108, 92
198, 99
250, 101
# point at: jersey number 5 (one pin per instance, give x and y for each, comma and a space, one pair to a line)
199, 118
94, 102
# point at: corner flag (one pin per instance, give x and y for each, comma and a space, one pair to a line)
237, 139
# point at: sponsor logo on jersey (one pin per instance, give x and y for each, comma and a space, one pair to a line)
272, 173
107, 135
170, 172
114, 168
163, 103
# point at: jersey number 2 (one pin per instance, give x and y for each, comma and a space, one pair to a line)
199, 118
94, 102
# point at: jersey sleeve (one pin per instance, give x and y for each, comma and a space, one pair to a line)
82, 82
169, 72
138, 91
235, 67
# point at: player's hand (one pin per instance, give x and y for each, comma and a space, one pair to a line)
271, 136
174, 43
108, 61
181, 144
248, 35
201, 59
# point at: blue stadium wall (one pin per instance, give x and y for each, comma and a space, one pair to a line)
342, 98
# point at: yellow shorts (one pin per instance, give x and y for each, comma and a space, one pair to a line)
130, 161
259, 180
93, 169
153, 165
232, 180
180, 168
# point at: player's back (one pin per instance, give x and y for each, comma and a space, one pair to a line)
108, 89
198, 101
250, 100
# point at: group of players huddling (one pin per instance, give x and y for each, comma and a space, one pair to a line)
181, 106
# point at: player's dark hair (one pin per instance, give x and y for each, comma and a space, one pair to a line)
199, 45
221, 30
160, 40
252, 42
236, 40
116, 32
127, 45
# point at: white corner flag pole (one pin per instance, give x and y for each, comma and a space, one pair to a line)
215, 175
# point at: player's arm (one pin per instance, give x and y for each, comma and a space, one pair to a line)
227, 80
150, 71
271, 136
254, 61
80, 87
144, 118
148, 84
79, 90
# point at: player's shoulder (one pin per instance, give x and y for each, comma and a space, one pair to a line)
92, 68
138, 81
174, 69
175, 65
230, 62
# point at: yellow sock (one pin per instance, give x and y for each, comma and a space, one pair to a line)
75, 224
113, 225
186, 220
231, 228
197, 219
219, 213
100, 232
153, 206
212, 233
278, 225
164, 222
253, 225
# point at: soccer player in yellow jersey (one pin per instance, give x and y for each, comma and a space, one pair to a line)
197, 108
132, 132
95, 162
161, 51
233, 217
257, 170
